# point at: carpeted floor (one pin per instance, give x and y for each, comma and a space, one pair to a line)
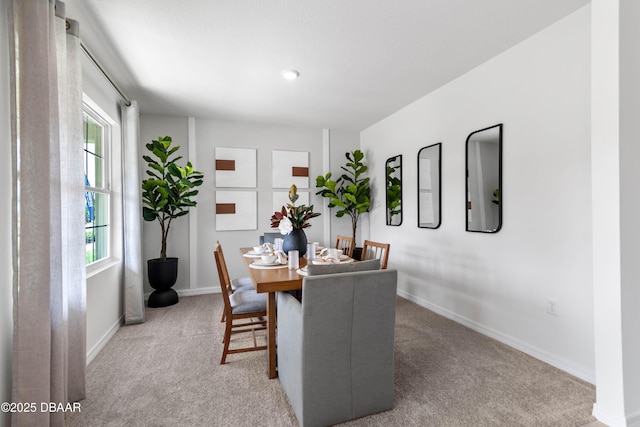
166, 372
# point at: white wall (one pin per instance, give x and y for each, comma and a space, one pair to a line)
264, 138
6, 267
341, 143
499, 283
205, 135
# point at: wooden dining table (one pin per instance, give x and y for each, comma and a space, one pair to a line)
272, 280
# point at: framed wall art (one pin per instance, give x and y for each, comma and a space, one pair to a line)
290, 167
236, 167
236, 210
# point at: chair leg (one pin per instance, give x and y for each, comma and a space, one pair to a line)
222, 320
227, 338
240, 328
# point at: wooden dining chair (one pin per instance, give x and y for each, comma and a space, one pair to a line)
246, 304
346, 244
372, 250
240, 284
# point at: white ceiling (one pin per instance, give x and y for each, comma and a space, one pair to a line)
360, 60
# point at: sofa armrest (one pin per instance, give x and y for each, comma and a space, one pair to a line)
288, 305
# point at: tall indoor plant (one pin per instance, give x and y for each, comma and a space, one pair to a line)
167, 194
350, 192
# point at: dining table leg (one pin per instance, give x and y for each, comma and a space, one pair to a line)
271, 334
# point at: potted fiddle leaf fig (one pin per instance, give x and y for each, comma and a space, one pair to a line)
350, 192
167, 193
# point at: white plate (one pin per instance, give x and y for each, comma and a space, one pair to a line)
266, 264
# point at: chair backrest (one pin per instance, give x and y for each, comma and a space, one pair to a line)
378, 250
348, 329
346, 244
370, 264
223, 274
269, 237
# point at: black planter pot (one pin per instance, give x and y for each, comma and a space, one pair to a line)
295, 240
357, 254
162, 276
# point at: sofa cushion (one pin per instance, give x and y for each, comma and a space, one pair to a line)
371, 264
242, 283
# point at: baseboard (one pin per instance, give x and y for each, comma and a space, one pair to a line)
505, 339
198, 291
607, 417
192, 292
102, 342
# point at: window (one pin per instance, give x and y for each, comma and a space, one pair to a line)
97, 185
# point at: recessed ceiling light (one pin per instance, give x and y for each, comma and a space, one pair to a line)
290, 74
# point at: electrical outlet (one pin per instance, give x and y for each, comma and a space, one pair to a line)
552, 307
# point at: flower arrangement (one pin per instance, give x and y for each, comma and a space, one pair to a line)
293, 217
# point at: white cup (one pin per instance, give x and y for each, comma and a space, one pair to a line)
294, 259
277, 244
311, 250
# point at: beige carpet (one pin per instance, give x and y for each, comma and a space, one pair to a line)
166, 372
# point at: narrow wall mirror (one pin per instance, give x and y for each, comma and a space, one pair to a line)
484, 180
394, 190
429, 187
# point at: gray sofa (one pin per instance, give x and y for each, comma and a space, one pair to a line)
335, 349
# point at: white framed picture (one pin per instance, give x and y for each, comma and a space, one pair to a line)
236, 210
236, 167
290, 167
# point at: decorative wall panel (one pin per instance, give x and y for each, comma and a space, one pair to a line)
236, 210
236, 167
290, 167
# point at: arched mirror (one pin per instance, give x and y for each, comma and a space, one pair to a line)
429, 187
394, 190
484, 180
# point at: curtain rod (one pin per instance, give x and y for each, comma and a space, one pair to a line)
104, 73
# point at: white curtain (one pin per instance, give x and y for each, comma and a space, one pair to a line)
132, 214
49, 298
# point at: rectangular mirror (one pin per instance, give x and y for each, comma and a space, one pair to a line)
394, 190
429, 187
484, 180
